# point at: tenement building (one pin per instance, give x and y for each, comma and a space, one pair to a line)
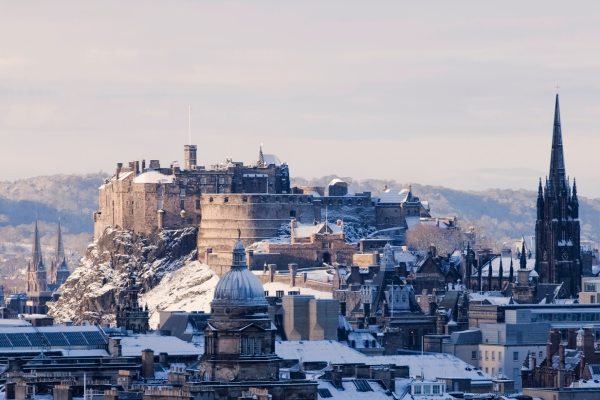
557, 230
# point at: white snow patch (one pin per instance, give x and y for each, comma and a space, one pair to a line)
190, 288
273, 287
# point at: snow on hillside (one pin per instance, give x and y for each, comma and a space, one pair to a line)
190, 288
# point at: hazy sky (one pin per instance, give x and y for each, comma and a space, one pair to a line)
459, 94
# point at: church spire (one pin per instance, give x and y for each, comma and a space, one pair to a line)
511, 272
60, 250
261, 159
557, 162
500, 274
523, 260
36, 253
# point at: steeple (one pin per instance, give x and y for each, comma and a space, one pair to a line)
511, 272
557, 162
60, 250
261, 159
523, 260
36, 253
500, 275
574, 202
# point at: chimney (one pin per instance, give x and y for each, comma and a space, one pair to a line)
293, 271
336, 378
143, 166
343, 308
384, 188
136, 166
572, 339
561, 356
548, 352
554, 340
367, 309
433, 250
119, 167
589, 351
148, 363
533, 361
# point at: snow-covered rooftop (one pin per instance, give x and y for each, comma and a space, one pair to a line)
351, 392
153, 177
495, 263
133, 345
305, 230
432, 365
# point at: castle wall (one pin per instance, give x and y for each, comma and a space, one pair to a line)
256, 216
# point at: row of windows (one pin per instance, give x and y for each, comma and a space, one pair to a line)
427, 389
348, 202
251, 346
515, 355
573, 316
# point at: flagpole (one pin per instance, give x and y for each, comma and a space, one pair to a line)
190, 122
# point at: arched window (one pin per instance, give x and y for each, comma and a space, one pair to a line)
206, 376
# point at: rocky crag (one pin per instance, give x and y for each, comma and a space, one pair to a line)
93, 291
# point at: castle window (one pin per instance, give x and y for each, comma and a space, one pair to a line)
197, 204
130, 193
202, 190
137, 195
184, 182
300, 199
220, 190
182, 204
226, 200
213, 178
244, 345
210, 200
258, 346
159, 192
245, 199
221, 181
182, 192
340, 202
292, 214
160, 205
203, 181
137, 205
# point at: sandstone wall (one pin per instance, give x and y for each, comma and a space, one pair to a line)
256, 216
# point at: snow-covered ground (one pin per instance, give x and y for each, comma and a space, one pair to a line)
190, 288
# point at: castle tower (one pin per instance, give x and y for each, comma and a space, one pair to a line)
189, 151
557, 230
36, 271
59, 270
239, 336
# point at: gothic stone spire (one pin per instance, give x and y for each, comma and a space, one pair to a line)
261, 159
36, 253
557, 161
60, 250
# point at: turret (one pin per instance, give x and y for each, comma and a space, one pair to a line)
523, 259
500, 274
574, 202
540, 202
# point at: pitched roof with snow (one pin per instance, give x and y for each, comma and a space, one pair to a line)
353, 389
432, 365
153, 177
495, 263
133, 345
305, 230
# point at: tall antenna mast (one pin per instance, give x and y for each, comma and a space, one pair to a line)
190, 122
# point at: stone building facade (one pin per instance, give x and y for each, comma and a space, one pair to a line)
239, 336
145, 199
